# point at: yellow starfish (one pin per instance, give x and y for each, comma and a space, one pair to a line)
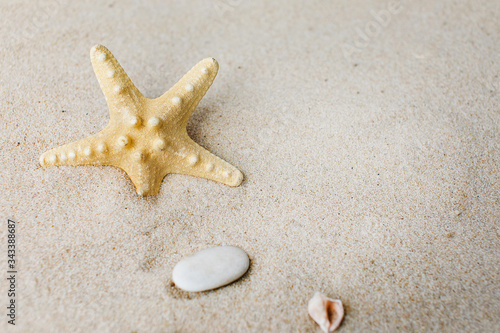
147, 138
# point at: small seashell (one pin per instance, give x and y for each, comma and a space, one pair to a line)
326, 312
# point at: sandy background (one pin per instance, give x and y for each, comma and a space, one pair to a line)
371, 165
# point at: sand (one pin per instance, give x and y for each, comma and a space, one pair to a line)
370, 151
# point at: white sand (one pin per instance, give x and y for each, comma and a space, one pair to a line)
373, 178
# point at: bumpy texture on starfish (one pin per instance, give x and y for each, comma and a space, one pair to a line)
147, 138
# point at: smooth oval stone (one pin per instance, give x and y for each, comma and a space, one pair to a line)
211, 268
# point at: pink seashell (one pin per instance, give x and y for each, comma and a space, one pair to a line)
326, 312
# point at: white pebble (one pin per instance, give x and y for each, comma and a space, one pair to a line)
211, 268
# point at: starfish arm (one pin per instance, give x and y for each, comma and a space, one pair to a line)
93, 150
145, 176
196, 161
184, 96
117, 87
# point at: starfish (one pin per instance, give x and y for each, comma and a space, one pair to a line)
147, 138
